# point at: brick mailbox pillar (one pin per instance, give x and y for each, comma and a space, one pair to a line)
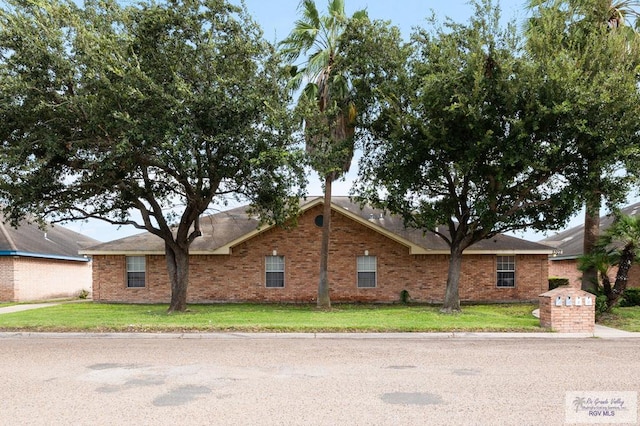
568, 310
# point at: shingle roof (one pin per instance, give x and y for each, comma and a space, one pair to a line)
570, 241
53, 242
225, 229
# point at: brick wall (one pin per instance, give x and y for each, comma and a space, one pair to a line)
566, 269
40, 279
26, 279
569, 269
241, 275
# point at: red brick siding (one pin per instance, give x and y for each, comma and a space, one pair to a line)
569, 269
566, 269
241, 275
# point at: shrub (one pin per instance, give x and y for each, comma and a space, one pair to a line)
631, 297
405, 297
601, 305
555, 282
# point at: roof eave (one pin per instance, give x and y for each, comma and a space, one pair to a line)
43, 256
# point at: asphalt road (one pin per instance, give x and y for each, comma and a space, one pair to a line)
232, 380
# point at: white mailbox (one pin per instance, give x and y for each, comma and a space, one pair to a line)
568, 301
578, 301
559, 301
588, 301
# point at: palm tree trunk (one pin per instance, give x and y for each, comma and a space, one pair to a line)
622, 277
323, 286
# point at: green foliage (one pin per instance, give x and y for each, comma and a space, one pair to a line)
158, 107
143, 115
466, 138
602, 306
555, 282
326, 104
590, 60
631, 297
618, 247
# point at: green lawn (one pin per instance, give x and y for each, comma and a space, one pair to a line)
95, 317
627, 319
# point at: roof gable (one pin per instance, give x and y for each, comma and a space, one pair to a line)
224, 230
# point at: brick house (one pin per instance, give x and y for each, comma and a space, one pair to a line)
373, 258
37, 264
568, 247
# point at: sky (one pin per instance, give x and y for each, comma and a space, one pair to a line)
277, 17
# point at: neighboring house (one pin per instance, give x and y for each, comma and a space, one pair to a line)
39, 264
568, 247
372, 259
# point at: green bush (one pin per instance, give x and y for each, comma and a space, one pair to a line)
601, 305
405, 297
631, 297
555, 282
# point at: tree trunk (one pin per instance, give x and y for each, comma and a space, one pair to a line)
591, 234
622, 277
178, 268
323, 286
452, 296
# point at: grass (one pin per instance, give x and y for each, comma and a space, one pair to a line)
94, 317
627, 319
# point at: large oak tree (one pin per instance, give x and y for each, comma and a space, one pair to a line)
157, 109
464, 144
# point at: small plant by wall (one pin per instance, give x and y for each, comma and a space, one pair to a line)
555, 282
631, 297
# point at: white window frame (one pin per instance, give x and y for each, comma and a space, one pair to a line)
136, 265
505, 271
366, 265
274, 267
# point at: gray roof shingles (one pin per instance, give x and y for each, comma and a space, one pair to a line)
54, 242
570, 241
233, 225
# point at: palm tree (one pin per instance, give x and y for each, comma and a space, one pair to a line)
618, 247
619, 10
327, 111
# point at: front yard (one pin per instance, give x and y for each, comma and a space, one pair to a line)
95, 317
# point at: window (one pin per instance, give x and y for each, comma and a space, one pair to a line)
366, 271
136, 269
275, 271
506, 267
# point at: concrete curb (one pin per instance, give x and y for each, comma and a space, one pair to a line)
334, 336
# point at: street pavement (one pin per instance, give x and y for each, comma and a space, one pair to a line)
309, 378
244, 379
